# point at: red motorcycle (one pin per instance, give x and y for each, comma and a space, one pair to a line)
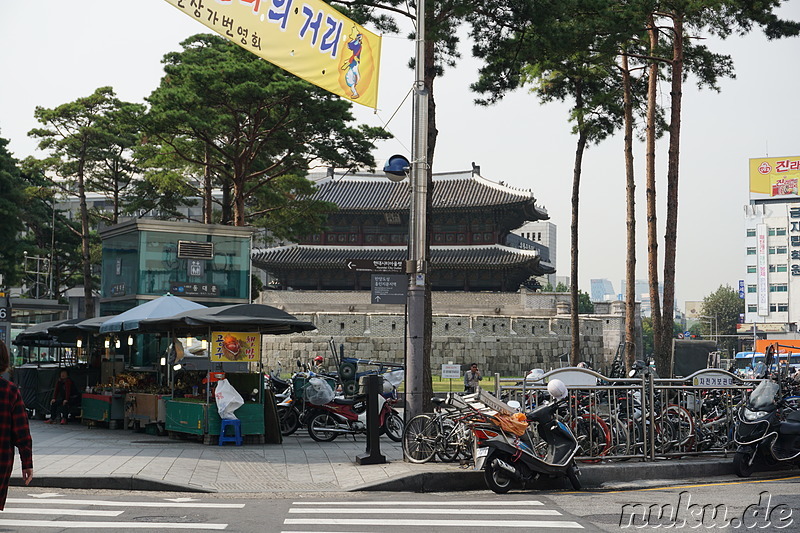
348, 416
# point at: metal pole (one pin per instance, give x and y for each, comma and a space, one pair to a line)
417, 245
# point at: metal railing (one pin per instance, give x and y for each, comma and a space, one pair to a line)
640, 418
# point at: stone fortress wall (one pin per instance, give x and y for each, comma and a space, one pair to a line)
505, 333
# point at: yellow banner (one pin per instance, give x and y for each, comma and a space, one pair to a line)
310, 39
772, 177
235, 346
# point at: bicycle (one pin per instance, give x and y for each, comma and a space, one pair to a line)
444, 434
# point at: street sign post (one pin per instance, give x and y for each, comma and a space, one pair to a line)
389, 288
375, 265
451, 372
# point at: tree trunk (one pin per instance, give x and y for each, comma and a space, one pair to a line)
650, 171
88, 303
208, 211
671, 233
430, 77
630, 190
575, 352
226, 201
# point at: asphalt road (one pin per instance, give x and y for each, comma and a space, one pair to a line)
760, 504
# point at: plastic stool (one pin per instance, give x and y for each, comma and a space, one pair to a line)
236, 424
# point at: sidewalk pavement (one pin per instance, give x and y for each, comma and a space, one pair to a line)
75, 456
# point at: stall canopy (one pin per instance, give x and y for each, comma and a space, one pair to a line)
70, 330
165, 306
38, 335
265, 318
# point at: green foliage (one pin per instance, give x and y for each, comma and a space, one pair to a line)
585, 305
725, 306
11, 201
647, 335
255, 129
561, 287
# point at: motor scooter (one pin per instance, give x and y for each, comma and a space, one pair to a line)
765, 431
507, 459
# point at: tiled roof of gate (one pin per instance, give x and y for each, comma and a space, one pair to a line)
495, 257
450, 192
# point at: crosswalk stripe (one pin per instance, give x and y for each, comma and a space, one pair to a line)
67, 524
109, 503
459, 511
470, 523
442, 503
60, 512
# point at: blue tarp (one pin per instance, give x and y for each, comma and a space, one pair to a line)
163, 307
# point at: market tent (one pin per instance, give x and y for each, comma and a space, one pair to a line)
38, 334
70, 330
165, 306
79, 324
265, 318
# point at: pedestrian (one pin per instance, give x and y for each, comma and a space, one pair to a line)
65, 395
14, 430
471, 378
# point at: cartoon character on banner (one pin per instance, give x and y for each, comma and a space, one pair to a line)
353, 63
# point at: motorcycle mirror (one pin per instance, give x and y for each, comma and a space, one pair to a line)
769, 356
632, 373
514, 404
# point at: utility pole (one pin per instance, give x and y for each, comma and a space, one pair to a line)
418, 234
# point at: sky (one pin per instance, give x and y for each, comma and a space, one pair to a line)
54, 52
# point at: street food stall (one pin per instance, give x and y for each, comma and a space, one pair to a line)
131, 388
49, 347
213, 344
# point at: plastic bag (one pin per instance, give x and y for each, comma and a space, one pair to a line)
507, 423
228, 399
318, 392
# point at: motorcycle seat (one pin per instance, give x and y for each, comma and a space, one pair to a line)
437, 401
346, 401
789, 427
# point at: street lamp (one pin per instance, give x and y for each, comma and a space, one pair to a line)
712, 326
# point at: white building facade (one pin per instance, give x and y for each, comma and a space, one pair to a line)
771, 284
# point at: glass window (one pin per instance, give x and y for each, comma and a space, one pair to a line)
751, 232
751, 269
751, 308
783, 308
777, 249
780, 231
778, 287
751, 250
751, 288
781, 268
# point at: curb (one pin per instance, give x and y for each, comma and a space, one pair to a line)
131, 483
592, 476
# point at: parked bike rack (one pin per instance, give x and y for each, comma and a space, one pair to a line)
644, 417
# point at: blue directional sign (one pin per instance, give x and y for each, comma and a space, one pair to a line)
741, 289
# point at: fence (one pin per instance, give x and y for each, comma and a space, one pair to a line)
641, 417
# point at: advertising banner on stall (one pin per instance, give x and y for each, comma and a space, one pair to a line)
310, 39
235, 346
774, 177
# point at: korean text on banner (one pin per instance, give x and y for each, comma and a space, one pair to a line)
235, 346
310, 39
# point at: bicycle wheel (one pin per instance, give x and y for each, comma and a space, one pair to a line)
420, 439
449, 445
593, 435
683, 426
